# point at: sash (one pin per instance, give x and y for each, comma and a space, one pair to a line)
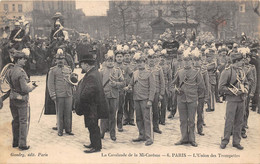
56, 32
18, 32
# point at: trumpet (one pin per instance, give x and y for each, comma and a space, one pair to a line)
234, 89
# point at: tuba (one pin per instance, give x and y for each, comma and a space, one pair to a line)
73, 79
4, 83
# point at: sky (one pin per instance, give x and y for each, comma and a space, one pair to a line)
93, 7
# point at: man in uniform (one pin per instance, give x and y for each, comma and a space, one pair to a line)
250, 72
211, 67
177, 65
167, 73
255, 60
234, 84
112, 80
144, 88
129, 102
197, 63
189, 86
125, 70
160, 88
60, 90
16, 36
19, 100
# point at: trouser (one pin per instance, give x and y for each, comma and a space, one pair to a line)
216, 87
64, 114
234, 120
174, 104
255, 100
120, 111
211, 101
155, 109
246, 113
169, 102
187, 113
19, 123
94, 132
162, 112
144, 119
200, 119
129, 108
111, 121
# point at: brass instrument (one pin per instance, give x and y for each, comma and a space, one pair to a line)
234, 89
4, 84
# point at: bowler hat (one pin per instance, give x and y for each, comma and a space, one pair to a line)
87, 57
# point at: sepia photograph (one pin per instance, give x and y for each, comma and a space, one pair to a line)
129, 81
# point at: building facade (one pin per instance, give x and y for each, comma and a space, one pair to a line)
12, 10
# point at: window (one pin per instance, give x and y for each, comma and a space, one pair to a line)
13, 7
20, 8
5, 7
242, 8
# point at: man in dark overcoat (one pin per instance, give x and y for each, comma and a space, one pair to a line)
90, 101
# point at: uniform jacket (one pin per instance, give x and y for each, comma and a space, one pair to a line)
167, 73
211, 67
227, 77
205, 77
191, 84
128, 73
159, 79
58, 84
19, 83
112, 74
125, 71
143, 84
90, 97
251, 77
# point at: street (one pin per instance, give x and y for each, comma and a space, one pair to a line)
48, 147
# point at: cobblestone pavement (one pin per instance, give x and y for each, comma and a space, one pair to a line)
48, 147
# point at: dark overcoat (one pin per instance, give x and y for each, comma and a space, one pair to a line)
90, 99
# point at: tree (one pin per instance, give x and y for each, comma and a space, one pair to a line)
138, 16
256, 5
123, 19
214, 13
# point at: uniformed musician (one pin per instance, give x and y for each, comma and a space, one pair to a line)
19, 100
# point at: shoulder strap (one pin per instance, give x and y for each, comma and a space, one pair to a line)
18, 32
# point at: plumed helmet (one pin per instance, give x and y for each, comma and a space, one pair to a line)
60, 54
26, 51
138, 57
110, 54
150, 52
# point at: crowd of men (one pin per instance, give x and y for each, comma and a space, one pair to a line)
135, 76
